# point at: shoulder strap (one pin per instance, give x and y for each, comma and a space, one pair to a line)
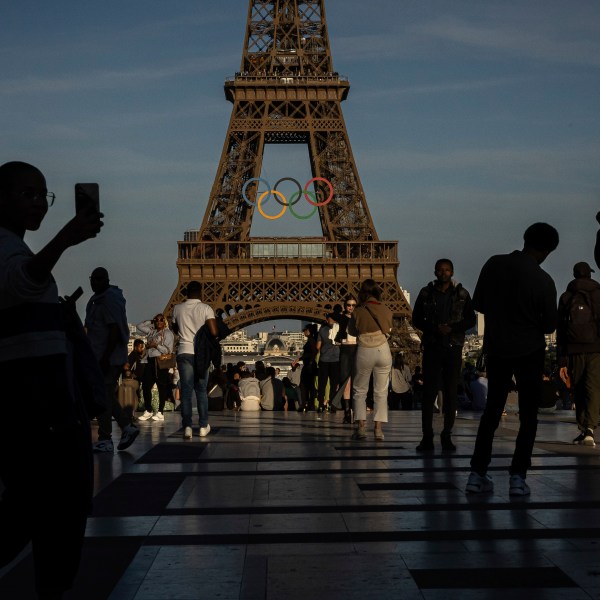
375, 319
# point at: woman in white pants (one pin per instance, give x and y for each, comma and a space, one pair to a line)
371, 323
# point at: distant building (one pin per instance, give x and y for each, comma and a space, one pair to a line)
480, 325
406, 294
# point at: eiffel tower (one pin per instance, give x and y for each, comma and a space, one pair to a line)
287, 92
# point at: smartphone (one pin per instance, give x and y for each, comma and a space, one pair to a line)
87, 194
76, 294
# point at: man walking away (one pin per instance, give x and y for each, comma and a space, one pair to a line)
578, 347
443, 312
518, 300
108, 332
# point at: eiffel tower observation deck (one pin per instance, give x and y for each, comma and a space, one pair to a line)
287, 92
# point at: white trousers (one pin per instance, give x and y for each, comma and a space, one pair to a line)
376, 362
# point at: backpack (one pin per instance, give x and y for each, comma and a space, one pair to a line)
581, 323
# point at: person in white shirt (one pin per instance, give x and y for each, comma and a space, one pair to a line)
188, 318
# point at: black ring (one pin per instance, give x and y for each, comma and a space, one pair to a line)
299, 191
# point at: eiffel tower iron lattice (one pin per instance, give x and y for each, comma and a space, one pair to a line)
287, 92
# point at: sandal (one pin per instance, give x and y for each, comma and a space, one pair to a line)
359, 433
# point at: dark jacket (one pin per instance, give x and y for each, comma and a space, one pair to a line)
564, 347
518, 299
207, 349
461, 315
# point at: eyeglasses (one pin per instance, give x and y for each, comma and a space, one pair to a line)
353, 304
49, 197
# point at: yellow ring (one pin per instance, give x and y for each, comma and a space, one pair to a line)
260, 210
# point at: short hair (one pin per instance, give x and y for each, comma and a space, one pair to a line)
193, 287
9, 170
100, 273
441, 261
541, 236
138, 342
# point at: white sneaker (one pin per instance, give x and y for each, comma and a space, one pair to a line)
147, 415
478, 484
204, 431
517, 486
588, 438
103, 446
187, 433
158, 417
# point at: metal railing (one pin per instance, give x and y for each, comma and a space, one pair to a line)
286, 249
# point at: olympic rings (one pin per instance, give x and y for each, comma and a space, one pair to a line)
281, 199
260, 210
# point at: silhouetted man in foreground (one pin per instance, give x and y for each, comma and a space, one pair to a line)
518, 300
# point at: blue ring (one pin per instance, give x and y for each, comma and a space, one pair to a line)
246, 200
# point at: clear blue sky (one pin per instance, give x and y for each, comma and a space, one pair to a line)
468, 122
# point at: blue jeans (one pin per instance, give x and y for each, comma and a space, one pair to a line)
185, 364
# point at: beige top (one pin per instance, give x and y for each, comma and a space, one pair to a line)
364, 325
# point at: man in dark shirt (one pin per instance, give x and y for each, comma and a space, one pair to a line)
578, 347
518, 299
135, 364
443, 312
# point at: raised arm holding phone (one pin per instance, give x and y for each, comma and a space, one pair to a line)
45, 466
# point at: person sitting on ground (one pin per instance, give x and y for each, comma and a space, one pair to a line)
249, 390
271, 390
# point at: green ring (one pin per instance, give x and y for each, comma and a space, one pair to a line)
291, 204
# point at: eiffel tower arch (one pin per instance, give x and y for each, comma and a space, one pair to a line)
287, 92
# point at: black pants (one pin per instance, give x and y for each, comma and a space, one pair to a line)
441, 370
307, 386
528, 372
328, 371
47, 477
162, 378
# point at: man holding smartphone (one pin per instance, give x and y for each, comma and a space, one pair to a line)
45, 464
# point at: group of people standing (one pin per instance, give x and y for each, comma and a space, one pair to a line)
77, 366
354, 355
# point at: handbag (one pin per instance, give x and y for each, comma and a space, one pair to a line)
166, 361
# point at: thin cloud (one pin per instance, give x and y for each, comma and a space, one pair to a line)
552, 45
113, 79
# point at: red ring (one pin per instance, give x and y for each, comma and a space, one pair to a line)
305, 191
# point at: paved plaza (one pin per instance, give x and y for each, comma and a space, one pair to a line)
286, 506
